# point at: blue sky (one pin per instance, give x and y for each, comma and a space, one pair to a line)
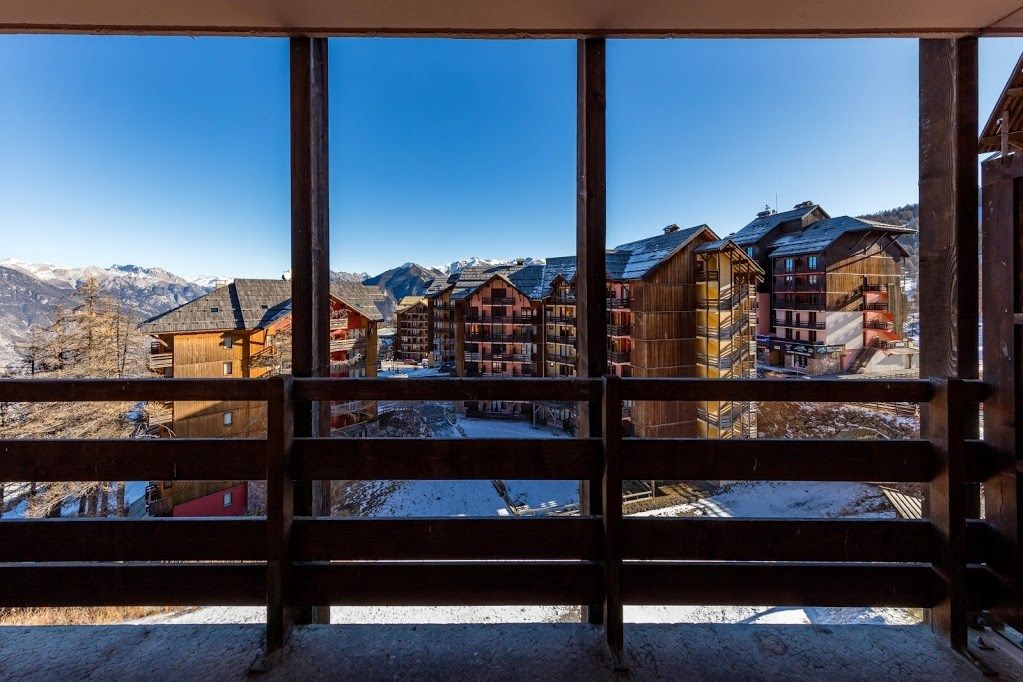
174, 151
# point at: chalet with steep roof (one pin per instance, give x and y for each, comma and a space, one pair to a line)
832, 301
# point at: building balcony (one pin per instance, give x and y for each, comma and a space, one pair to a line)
498, 300
619, 357
800, 324
875, 287
564, 297
501, 319
619, 303
874, 305
492, 337
338, 409
879, 324
160, 361
561, 338
619, 329
707, 276
561, 319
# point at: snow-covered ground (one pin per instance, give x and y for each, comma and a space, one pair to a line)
787, 499
133, 490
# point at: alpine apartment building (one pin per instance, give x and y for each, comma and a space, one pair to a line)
832, 301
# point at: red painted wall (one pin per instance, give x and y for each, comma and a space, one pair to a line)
213, 504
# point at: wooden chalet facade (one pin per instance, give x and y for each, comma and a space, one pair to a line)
832, 301
678, 304
243, 330
413, 336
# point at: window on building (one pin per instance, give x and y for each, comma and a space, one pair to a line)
811, 262
749, 251
788, 333
228, 368
228, 341
812, 279
813, 337
214, 309
798, 338
790, 264
228, 499
228, 418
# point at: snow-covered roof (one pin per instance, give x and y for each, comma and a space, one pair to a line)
821, 234
254, 304
757, 228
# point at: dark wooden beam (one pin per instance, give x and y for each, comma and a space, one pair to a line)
135, 584
792, 584
409, 583
947, 494
280, 503
448, 389
612, 514
591, 239
778, 460
1003, 367
949, 324
115, 539
817, 390
446, 539
74, 390
310, 255
135, 459
446, 459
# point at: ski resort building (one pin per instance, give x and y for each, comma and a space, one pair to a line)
832, 301
680, 304
413, 338
242, 330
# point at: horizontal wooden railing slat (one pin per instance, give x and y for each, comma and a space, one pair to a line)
740, 539
148, 584
153, 459
365, 539
113, 539
444, 459
778, 459
783, 584
84, 390
813, 390
566, 389
448, 583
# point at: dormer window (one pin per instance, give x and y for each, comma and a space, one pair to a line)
214, 309
811, 262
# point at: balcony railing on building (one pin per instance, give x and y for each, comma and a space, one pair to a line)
619, 329
160, 361
498, 300
508, 337
619, 356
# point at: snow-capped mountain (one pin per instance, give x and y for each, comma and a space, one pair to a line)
29, 293
459, 265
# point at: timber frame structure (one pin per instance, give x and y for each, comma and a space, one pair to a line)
950, 562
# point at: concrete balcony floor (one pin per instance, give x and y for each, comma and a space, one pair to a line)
555, 651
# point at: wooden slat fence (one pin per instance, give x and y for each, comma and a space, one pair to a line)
288, 560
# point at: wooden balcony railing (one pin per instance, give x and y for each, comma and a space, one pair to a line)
160, 361
283, 560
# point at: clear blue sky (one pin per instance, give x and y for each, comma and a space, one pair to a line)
174, 151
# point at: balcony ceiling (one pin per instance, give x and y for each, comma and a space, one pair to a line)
551, 18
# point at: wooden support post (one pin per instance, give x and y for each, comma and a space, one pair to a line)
280, 491
949, 315
948, 509
1002, 194
612, 512
591, 229
310, 271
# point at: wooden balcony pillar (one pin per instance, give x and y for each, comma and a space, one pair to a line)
949, 277
310, 271
591, 237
